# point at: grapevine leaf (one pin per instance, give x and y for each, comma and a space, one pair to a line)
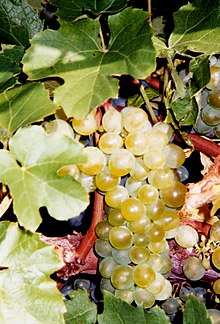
22, 105
30, 171
18, 22
117, 311
195, 312
137, 99
156, 316
28, 294
105, 6
74, 53
79, 308
199, 66
197, 27
185, 110
9, 66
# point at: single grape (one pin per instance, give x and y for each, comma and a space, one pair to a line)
171, 306
140, 239
112, 121
193, 269
96, 161
166, 292
132, 186
214, 98
155, 210
132, 209
106, 267
105, 284
121, 277
161, 178
155, 261
210, 116
121, 256
175, 156
202, 127
186, 236
144, 298
183, 173
214, 314
139, 254
110, 142
85, 126
169, 220
165, 128
158, 247
121, 162
116, 196
115, 217
155, 233
174, 195
154, 158
103, 248
88, 182
136, 119
125, 295
81, 284
216, 286
157, 285
136, 142
138, 225
167, 264
157, 138
120, 237
200, 294
102, 229
185, 292
216, 258
214, 77
140, 171
215, 231
148, 194
143, 275
106, 181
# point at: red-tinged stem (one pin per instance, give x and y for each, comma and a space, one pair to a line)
204, 145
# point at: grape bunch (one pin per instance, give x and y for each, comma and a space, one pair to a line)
208, 119
136, 166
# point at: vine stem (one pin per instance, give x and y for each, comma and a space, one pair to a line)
204, 145
149, 106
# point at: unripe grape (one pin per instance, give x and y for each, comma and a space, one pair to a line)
121, 277
144, 298
102, 229
106, 267
193, 269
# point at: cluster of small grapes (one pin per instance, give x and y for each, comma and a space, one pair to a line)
136, 166
208, 120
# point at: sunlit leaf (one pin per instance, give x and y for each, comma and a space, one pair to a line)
195, 312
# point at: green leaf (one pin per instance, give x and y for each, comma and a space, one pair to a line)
199, 66
197, 27
27, 293
185, 110
70, 10
117, 311
18, 22
30, 171
156, 316
74, 53
79, 308
195, 312
9, 66
137, 99
22, 105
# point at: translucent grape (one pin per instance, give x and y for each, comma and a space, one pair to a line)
125, 295
106, 267
215, 231
141, 239
115, 217
169, 220
103, 248
154, 158
216, 258
175, 156
156, 210
136, 119
155, 261
139, 254
105, 284
132, 186
102, 229
155, 233
186, 236
157, 138
202, 127
85, 126
193, 269
121, 277
183, 173
166, 292
143, 275
136, 142
167, 264
174, 195
105, 180
210, 116
148, 194
214, 77
161, 178
157, 247
116, 196
157, 285
214, 98
138, 225
112, 121
165, 128
214, 315
120, 237
140, 171
121, 256
96, 161
132, 209
144, 298
170, 306
216, 286
110, 142
121, 162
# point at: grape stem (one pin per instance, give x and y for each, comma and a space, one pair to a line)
149, 106
203, 145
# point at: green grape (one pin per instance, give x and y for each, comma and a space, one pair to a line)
140, 171
214, 77
105, 284
166, 292
171, 233
148, 194
106, 267
175, 156
210, 116
120, 237
157, 138
143, 275
136, 119
102, 229
174, 195
144, 298
169, 220
116, 196
96, 161
216, 287
165, 128
106, 181
136, 142
161, 178
121, 277
193, 269
138, 225
121, 162
110, 142
157, 285
103, 248
132, 186
140, 239
158, 247
121, 256
125, 295
154, 158
215, 231
132, 209
85, 126
167, 264
217, 130
214, 98
214, 314
156, 210
155, 261
115, 217
112, 121
186, 236
201, 127
216, 258
155, 233
139, 254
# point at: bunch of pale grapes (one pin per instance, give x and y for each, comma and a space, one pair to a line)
208, 119
136, 166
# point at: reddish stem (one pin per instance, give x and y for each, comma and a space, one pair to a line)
205, 146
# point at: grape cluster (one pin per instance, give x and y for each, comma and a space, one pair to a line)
137, 168
208, 120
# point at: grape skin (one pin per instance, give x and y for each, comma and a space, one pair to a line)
193, 269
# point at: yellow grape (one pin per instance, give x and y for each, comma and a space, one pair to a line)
157, 138
157, 285
120, 237
105, 180
175, 156
138, 225
155, 210
155, 233
121, 162
148, 194
216, 258
112, 121
132, 209
85, 126
102, 229
110, 142
143, 297
116, 196
174, 195
136, 119
143, 275
215, 231
136, 142
169, 220
139, 254
121, 277
140, 171
161, 178
96, 161
216, 286
154, 158
115, 217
